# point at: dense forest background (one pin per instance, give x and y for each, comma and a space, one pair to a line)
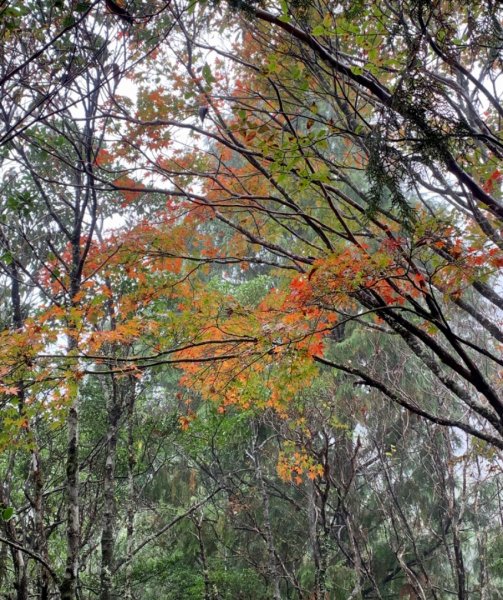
250, 300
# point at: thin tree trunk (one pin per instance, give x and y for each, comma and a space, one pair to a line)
208, 590
130, 509
38, 517
107, 535
19, 561
460, 567
455, 511
316, 543
271, 551
68, 585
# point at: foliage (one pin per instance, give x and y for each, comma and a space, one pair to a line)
250, 299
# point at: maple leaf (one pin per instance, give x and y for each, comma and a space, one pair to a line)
495, 177
11, 390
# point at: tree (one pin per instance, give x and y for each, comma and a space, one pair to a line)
319, 259
364, 166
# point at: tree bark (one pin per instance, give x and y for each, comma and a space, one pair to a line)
107, 535
130, 509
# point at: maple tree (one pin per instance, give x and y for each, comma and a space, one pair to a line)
358, 165
282, 184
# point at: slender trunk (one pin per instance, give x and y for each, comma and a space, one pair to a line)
316, 543
107, 535
357, 562
4, 557
271, 551
455, 511
208, 591
18, 560
21, 582
130, 510
68, 585
38, 517
481, 542
21, 579
483, 573
460, 567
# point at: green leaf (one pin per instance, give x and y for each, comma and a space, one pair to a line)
285, 17
81, 7
318, 30
272, 66
7, 258
207, 74
68, 21
16, 11
7, 513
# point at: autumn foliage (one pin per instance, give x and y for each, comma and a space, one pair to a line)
343, 192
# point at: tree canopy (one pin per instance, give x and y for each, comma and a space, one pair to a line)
250, 262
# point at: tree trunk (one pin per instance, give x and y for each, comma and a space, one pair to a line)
68, 585
208, 590
271, 551
316, 543
107, 535
130, 510
18, 560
